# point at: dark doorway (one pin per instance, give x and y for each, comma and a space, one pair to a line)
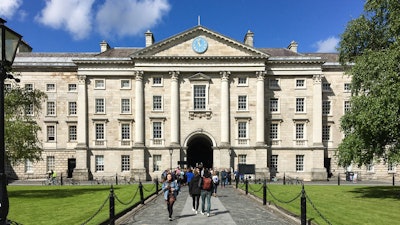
200, 151
71, 166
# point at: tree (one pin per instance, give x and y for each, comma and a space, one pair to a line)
370, 51
21, 129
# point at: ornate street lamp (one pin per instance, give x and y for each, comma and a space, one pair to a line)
8, 46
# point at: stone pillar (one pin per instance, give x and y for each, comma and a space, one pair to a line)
175, 112
81, 170
317, 110
225, 131
260, 109
139, 109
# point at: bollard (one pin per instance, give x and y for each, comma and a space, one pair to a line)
157, 185
237, 182
303, 206
116, 179
265, 192
112, 206
247, 186
284, 179
61, 180
141, 193
393, 179
338, 179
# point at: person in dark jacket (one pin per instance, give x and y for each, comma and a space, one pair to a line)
195, 190
206, 192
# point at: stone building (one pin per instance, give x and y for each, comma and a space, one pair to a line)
196, 97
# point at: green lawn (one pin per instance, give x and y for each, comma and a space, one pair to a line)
346, 204
68, 204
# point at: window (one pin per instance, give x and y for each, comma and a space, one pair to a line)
51, 87
273, 105
157, 81
242, 159
242, 102
326, 87
299, 163
347, 87
51, 162
99, 105
326, 133
157, 103
157, 133
99, 131
125, 84
274, 162
300, 83
72, 133
242, 81
72, 87
347, 106
28, 166
99, 163
273, 84
370, 168
72, 108
242, 133
125, 131
391, 167
326, 107
51, 133
51, 108
273, 131
156, 162
99, 84
125, 163
300, 107
299, 131
125, 105
29, 87
199, 97
29, 110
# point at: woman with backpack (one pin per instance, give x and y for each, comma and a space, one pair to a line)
207, 187
170, 188
195, 190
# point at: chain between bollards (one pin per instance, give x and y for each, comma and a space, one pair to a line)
303, 206
112, 206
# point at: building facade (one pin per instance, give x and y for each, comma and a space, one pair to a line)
196, 97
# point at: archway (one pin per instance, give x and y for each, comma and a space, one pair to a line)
200, 151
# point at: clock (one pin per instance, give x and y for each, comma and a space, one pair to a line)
199, 45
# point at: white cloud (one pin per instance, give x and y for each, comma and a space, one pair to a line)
9, 7
129, 17
75, 16
327, 45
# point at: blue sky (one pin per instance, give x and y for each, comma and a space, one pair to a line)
80, 25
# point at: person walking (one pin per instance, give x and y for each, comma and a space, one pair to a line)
170, 188
195, 191
206, 185
215, 182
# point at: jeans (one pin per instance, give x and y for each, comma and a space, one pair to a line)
205, 195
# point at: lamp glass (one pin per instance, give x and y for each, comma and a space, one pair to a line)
12, 40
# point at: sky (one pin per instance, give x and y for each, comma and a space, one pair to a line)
80, 25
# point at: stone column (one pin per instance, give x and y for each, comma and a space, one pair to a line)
175, 113
225, 131
139, 109
81, 170
260, 109
317, 110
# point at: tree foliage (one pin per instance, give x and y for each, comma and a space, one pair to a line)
370, 44
21, 129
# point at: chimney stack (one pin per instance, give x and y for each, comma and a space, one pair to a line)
293, 46
104, 46
249, 39
149, 38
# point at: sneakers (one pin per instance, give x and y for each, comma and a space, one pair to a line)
208, 214
170, 219
193, 209
195, 212
202, 213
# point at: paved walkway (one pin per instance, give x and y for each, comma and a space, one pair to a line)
229, 208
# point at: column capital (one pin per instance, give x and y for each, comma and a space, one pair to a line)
225, 75
174, 75
317, 78
81, 79
260, 75
139, 75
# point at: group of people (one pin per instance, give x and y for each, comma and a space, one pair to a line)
202, 184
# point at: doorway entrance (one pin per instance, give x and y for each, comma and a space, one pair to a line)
200, 151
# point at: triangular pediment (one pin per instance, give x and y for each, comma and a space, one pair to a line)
181, 45
199, 77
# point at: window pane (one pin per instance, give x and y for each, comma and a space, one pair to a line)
125, 131
72, 133
242, 130
242, 102
125, 105
157, 104
156, 162
299, 131
157, 133
72, 108
99, 162
299, 162
99, 131
99, 105
299, 104
125, 163
273, 105
199, 97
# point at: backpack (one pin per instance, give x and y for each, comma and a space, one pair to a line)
207, 183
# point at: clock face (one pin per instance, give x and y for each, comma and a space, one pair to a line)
200, 45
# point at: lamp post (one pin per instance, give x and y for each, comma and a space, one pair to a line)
8, 46
171, 150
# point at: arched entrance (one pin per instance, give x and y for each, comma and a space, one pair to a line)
200, 151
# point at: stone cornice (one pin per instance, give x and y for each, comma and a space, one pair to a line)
124, 60
298, 60
203, 58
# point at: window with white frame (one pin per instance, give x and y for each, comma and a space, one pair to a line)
347, 87
100, 105
72, 106
157, 103
242, 81
300, 131
72, 133
125, 163
157, 163
391, 167
273, 131
125, 105
300, 105
99, 133
51, 108
125, 131
242, 159
51, 133
326, 107
72, 87
199, 97
300, 83
274, 162
99, 163
28, 166
273, 84
242, 133
299, 163
29, 110
99, 84
370, 167
347, 106
125, 84
157, 81
51, 163
242, 102
29, 87
51, 87
326, 133
274, 105
157, 133
326, 87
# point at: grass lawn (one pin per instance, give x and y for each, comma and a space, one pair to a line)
68, 204
345, 204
